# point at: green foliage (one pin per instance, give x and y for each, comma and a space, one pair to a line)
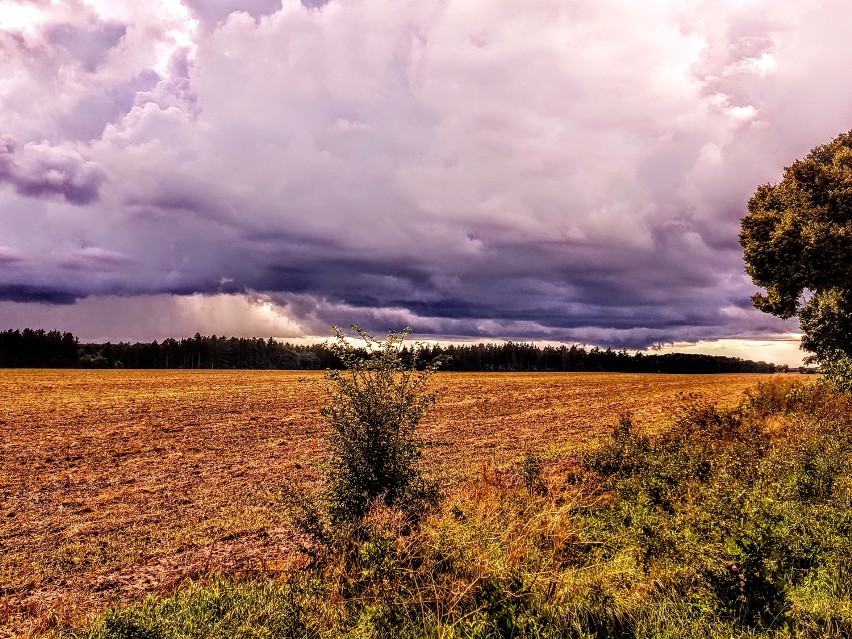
837, 370
375, 405
624, 455
218, 610
745, 524
375, 493
797, 245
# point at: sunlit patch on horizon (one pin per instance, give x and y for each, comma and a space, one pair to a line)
781, 349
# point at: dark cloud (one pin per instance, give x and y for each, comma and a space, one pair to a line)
93, 259
38, 294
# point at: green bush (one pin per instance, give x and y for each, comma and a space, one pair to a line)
838, 371
533, 475
747, 523
374, 407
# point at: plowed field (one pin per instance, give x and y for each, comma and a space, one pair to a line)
120, 483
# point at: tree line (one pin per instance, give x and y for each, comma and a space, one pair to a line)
38, 349
52, 349
519, 356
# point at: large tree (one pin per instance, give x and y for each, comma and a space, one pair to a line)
797, 240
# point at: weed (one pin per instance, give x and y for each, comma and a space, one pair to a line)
533, 474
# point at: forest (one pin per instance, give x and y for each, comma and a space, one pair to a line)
30, 348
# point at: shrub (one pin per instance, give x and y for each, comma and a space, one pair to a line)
747, 588
838, 371
623, 456
773, 396
375, 405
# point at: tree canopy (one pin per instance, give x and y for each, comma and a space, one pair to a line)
797, 241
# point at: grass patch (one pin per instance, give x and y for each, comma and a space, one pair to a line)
217, 609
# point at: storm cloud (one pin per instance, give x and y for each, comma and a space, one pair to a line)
541, 170
40, 170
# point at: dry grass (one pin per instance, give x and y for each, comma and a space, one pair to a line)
120, 483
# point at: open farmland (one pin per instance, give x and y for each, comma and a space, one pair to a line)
120, 483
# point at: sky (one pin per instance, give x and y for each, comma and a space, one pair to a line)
546, 170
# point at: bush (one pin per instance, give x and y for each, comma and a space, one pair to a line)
375, 405
838, 371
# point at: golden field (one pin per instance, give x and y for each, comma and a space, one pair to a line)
120, 483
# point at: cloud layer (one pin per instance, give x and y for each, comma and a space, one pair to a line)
543, 170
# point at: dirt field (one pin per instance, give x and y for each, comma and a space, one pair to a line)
121, 483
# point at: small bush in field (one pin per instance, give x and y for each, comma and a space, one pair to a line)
623, 455
747, 590
375, 405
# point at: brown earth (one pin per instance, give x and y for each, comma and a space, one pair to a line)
116, 484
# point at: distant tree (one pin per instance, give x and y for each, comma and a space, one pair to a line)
797, 242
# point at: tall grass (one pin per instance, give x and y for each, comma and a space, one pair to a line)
725, 523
